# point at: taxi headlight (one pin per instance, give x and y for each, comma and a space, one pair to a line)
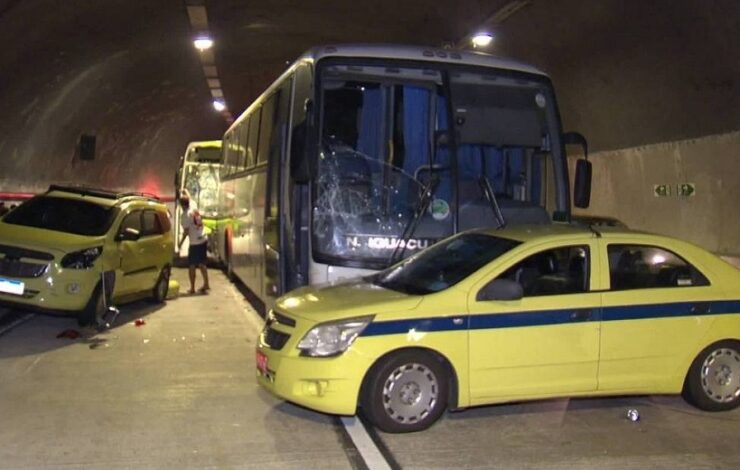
82, 259
332, 338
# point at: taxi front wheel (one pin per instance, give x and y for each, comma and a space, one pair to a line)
93, 312
159, 293
407, 392
713, 381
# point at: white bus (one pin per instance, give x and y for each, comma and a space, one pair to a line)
199, 172
357, 156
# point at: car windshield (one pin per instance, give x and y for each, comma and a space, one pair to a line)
63, 215
444, 264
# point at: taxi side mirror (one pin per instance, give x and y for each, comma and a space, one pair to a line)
501, 289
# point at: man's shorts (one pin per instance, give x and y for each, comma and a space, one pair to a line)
197, 254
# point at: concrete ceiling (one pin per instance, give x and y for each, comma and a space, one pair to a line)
628, 73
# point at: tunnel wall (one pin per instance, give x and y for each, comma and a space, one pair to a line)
624, 187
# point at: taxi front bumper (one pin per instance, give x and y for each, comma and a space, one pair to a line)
57, 291
330, 385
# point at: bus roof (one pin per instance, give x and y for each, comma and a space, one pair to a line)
397, 52
417, 53
204, 143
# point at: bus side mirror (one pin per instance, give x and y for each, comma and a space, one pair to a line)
303, 149
582, 184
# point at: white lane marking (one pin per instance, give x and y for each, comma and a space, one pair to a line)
16, 323
33, 364
365, 445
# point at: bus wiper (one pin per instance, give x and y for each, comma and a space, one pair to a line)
421, 207
485, 185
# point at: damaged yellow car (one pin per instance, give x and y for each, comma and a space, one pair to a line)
75, 251
506, 315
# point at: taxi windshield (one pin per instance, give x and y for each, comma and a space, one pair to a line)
63, 215
444, 264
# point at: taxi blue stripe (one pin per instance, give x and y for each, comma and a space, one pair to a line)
550, 317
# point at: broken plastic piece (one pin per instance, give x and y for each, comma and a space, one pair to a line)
139, 322
633, 415
70, 333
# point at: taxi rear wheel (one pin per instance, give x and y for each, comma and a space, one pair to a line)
159, 293
713, 381
407, 392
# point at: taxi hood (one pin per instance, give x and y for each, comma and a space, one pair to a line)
48, 241
346, 300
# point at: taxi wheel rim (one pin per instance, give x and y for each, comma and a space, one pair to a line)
720, 375
410, 393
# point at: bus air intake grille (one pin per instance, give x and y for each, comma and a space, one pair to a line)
275, 339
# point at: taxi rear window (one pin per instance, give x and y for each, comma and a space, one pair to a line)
63, 215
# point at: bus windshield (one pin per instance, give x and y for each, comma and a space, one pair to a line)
393, 175
202, 180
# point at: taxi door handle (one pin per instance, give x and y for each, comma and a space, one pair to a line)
581, 315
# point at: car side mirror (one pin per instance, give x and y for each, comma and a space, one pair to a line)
128, 234
582, 183
501, 289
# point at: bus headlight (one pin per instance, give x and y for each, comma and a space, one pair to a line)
332, 338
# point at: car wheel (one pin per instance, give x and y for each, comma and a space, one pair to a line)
405, 393
92, 314
713, 381
159, 293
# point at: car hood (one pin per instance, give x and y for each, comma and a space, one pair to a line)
345, 300
48, 241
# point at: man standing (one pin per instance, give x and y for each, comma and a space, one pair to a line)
192, 226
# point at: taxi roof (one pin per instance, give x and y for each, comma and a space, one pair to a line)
527, 233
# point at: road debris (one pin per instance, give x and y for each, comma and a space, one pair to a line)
633, 415
139, 322
69, 333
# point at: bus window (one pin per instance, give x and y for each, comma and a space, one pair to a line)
375, 162
266, 128
231, 156
254, 133
503, 127
243, 140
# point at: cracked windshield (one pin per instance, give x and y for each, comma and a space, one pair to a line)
392, 180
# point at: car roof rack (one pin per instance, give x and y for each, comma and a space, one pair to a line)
102, 193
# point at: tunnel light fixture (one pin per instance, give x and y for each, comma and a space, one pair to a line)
482, 39
219, 105
203, 43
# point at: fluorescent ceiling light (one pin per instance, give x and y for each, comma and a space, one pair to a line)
482, 39
203, 43
219, 105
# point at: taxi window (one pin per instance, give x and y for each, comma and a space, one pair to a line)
646, 267
562, 270
133, 220
150, 224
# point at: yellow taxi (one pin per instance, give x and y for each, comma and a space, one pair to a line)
514, 314
76, 250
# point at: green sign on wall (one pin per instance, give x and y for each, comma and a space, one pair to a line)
686, 189
661, 190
